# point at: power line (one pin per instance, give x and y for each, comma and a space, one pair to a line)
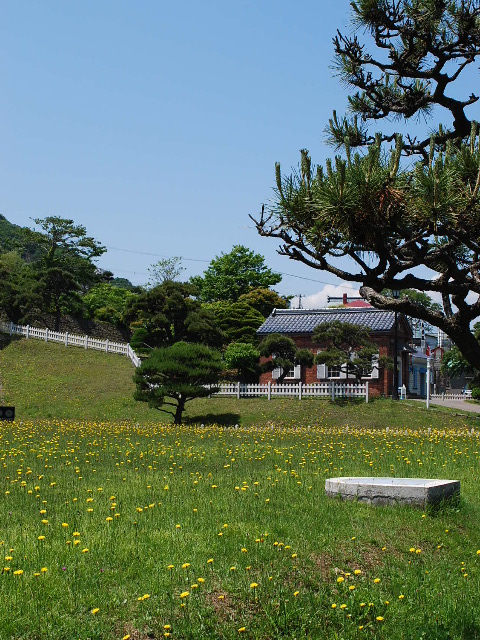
289, 275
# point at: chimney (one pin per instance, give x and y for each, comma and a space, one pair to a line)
345, 298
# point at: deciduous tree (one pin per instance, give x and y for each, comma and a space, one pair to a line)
232, 274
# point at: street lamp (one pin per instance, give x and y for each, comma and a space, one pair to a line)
395, 294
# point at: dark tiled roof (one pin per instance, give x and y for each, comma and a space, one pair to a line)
296, 321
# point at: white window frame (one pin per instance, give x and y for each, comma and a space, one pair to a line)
295, 373
374, 373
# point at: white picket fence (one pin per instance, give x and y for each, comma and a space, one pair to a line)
449, 396
71, 340
299, 390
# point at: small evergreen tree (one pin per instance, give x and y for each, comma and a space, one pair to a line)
347, 346
284, 354
173, 376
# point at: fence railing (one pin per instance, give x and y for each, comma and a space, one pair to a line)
449, 396
330, 390
71, 340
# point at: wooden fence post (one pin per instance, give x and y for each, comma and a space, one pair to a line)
300, 390
46, 335
332, 391
27, 335
106, 345
269, 389
366, 391
238, 390
66, 339
86, 342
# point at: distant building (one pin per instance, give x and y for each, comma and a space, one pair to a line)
299, 324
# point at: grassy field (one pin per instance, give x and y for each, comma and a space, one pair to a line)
117, 525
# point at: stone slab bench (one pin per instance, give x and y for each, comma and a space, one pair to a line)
414, 491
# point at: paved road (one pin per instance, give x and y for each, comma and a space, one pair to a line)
462, 405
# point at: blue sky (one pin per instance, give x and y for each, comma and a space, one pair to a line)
157, 125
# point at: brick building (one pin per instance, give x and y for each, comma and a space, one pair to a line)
299, 324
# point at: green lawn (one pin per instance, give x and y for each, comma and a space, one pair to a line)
118, 525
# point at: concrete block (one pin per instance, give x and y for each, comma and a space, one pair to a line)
414, 491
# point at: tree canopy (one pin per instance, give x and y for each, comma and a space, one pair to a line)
264, 300
169, 313
173, 376
347, 346
235, 273
238, 321
283, 354
64, 263
367, 217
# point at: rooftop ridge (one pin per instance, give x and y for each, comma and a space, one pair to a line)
330, 310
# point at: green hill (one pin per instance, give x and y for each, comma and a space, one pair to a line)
12, 237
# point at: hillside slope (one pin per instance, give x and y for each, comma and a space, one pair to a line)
53, 381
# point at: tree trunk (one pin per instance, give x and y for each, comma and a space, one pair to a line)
179, 410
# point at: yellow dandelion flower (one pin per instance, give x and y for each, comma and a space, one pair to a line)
379, 618
85, 550
334, 606
401, 596
109, 519
94, 611
242, 629
44, 569
377, 580
185, 565
340, 579
343, 606
64, 524
209, 561
41, 537
357, 572
253, 585
200, 580
295, 593
184, 594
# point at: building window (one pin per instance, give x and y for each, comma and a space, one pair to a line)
334, 372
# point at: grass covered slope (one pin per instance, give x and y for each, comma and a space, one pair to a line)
45, 380
48, 380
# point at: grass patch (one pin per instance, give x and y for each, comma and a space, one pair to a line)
116, 531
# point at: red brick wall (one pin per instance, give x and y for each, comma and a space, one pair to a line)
377, 386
